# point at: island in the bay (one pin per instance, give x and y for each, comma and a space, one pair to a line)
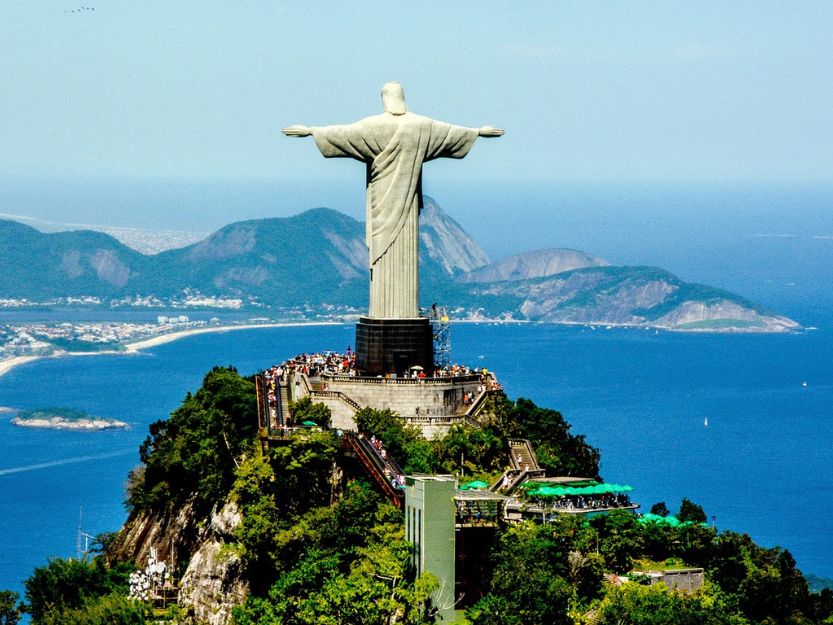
64, 419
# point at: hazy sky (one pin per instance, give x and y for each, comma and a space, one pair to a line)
585, 90
167, 115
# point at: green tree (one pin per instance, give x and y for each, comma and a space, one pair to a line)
194, 453
479, 450
9, 607
636, 604
774, 589
558, 451
690, 511
620, 539
694, 543
374, 588
493, 610
529, 573
728, 565
275, 492
660, 509
304, 410
112, 609
64, 585
586, 574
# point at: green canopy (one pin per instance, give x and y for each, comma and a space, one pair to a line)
551, 491
310, 424
475, 485
671, 521
559, 490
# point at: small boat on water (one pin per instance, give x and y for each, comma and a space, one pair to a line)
706, 422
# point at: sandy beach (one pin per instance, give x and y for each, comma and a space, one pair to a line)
136, 347
11, 363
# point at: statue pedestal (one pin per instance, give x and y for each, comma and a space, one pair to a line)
394, 345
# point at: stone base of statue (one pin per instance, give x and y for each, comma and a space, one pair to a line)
394, 345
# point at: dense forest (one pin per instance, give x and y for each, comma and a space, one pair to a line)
319, 545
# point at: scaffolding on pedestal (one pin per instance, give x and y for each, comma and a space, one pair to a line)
441, 327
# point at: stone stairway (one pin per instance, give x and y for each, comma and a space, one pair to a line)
521, 455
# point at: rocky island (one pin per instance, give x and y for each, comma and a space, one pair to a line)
64, 419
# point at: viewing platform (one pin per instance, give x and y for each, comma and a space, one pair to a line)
542, 498
432, 401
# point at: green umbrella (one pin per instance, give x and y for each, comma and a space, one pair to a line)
310, 424
671, 521
476, 484
550, 491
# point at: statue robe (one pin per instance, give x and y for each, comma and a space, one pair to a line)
394, 147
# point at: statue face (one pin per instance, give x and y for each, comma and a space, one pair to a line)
393, 99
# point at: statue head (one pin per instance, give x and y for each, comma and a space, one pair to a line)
393, 98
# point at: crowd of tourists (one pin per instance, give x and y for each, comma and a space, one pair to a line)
315, 364
334, 363
593, 502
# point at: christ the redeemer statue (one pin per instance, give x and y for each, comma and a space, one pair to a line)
394, 145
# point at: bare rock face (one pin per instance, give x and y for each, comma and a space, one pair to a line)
71, 264
446, 242
228, 242
109, 268
213, 583
174, 535
353, 251
718, 315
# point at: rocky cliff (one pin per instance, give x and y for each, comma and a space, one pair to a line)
445, 242
211, 579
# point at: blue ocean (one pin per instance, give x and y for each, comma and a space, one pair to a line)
761, 465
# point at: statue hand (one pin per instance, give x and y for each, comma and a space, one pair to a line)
297, 131
490, 131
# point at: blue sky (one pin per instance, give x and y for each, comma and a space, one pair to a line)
586, 90
623, 120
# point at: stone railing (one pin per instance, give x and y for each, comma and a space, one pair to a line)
457, 379
336, 395
439, 420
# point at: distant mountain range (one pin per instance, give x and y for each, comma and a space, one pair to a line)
318, 260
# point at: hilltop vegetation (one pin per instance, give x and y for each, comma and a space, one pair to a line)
315, 543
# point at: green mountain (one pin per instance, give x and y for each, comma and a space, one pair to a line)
634, 296
318, 259
35, 265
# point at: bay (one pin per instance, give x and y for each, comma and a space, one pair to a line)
760, 466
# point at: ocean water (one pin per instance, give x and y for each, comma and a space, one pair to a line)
762, 465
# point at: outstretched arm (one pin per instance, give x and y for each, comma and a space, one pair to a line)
489, 131
297, 130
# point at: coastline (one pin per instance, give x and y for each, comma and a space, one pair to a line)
135, 347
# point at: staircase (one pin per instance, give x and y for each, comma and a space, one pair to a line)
375, 466
524, 467
521, 455
282, 395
